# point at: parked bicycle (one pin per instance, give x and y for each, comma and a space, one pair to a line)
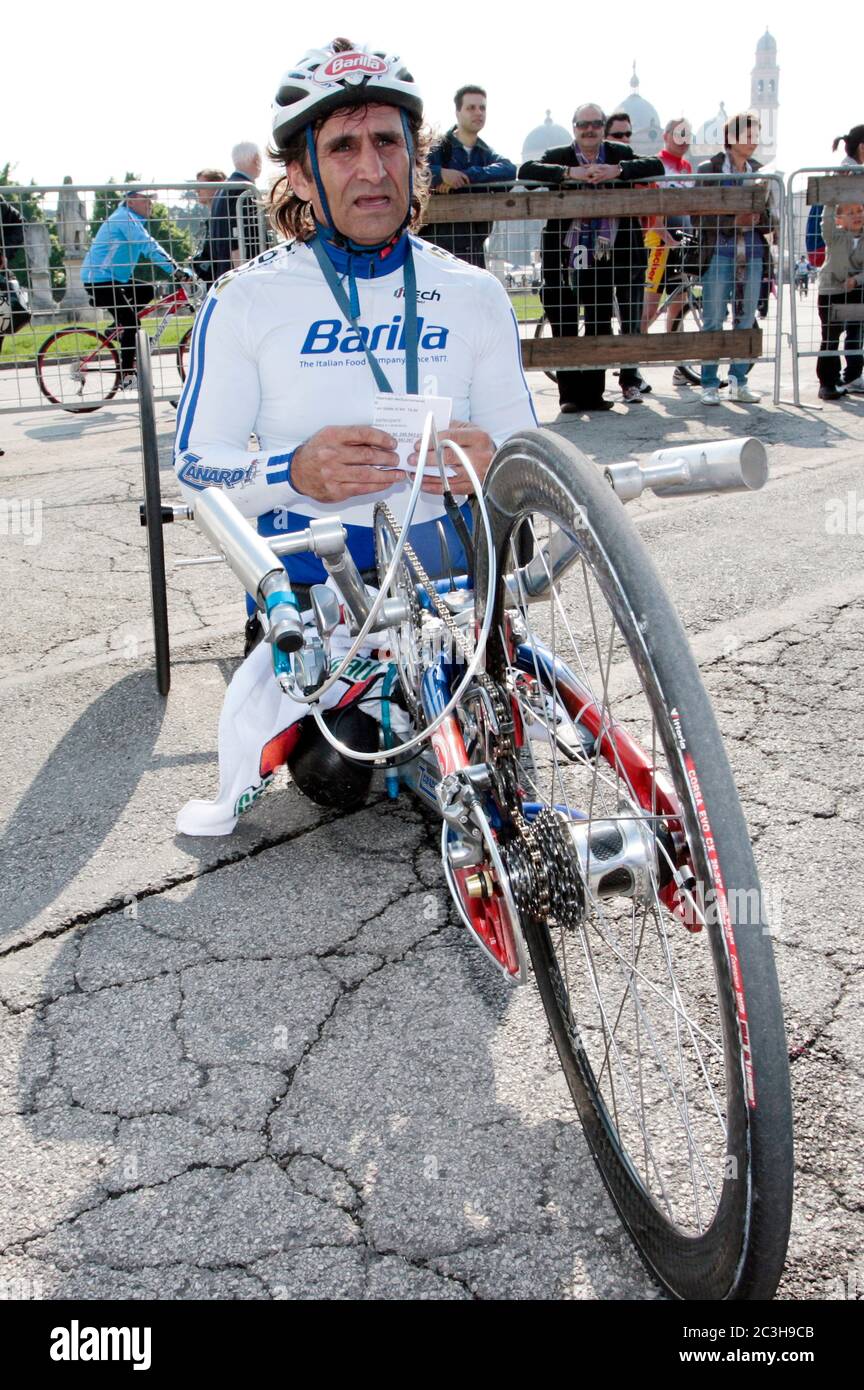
79, 368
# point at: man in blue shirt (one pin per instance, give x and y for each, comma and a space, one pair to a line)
108, 268
460, 163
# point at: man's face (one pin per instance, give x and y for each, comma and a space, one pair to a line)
747, 140
588, 125
255, 166
206, 193
678, 139
472, 113
621, 130
141, 203
364, 164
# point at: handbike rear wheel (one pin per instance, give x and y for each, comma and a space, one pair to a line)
663, 1003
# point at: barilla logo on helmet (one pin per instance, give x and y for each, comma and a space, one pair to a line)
351, 67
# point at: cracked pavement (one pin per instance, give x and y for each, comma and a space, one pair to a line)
273, 1067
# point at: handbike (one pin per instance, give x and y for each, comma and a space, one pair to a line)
554, 718
78, 368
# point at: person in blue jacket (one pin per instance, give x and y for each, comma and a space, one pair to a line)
107, 272
461, 162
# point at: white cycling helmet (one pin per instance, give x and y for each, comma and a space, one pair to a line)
327, 79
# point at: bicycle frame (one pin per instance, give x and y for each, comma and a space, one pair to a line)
172, 303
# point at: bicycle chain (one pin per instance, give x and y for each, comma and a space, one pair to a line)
537, 900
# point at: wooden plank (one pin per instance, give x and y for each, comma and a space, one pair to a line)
624, 202
847, 313
835, 188
613, 350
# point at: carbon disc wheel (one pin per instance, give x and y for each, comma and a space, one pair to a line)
652, 959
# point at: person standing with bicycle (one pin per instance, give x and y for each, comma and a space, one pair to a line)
108, 269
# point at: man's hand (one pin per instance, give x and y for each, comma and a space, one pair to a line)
454, 178
345, 461
601, 173
478, 445
852, 283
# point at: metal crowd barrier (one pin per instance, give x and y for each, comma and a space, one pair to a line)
59, 359
508, 239
40, 364
825, 186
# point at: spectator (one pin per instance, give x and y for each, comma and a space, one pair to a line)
581, 256
815, 246
202, 261
735, 252
841, 281
225, 229
107, 270
460, 162
629, 279
660, 238
854, 145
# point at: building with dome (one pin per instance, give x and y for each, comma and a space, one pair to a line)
708, 137
647, 126
764, 100
544, 137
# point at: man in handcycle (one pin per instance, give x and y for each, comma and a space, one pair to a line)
298, 347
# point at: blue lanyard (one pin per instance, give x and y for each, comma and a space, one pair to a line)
412, 335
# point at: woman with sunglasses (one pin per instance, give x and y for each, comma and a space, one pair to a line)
584, 258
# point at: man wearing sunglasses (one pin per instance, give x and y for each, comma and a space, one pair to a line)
585, 258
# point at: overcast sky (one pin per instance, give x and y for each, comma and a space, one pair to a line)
165, 89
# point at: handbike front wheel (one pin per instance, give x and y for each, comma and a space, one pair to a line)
78, 368
646, 931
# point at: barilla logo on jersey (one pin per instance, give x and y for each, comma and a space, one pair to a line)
332, 335
200, 475
349, 65
421, 294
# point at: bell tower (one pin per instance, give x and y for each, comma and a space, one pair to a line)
765, 95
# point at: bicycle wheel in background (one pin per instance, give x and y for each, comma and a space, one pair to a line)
183, 348
78, 368
152, 516
663, 1004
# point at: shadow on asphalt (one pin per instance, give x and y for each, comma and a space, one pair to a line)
65, 814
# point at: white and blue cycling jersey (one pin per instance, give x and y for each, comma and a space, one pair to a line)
273, 356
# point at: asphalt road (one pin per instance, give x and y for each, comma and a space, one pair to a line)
273, 1066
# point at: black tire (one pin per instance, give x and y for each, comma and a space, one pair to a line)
733, 1106
153, 515
183, 353
78, 369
